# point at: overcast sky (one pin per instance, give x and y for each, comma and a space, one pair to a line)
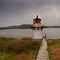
16, 12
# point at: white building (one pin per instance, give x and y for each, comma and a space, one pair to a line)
37, 31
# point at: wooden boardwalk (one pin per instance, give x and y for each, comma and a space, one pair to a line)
43, 53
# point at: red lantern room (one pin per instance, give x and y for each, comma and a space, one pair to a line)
36, 22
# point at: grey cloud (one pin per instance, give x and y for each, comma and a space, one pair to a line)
25, 4
16, 11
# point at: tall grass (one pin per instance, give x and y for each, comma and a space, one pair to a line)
54, 49
11, 47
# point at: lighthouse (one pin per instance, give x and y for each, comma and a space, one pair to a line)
37, 31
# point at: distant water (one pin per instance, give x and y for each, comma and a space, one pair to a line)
16, 33
51, 33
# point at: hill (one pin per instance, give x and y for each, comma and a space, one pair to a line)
26, 26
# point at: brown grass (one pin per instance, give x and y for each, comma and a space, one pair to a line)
54, 49
18, 49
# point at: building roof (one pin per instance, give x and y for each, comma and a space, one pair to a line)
37, 18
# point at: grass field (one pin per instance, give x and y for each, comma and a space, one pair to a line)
18, 49
54, 49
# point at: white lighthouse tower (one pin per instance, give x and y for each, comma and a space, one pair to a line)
37, 31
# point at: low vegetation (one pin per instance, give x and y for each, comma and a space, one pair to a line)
26, 26
54, 49
23, 26
18, 49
